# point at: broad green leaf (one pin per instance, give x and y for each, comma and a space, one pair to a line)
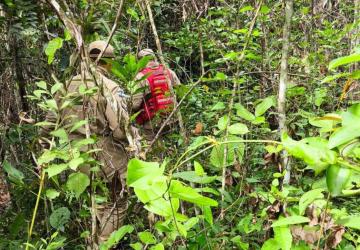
337, 178
178, 190
199, 170
132, 13
350, 127
85, 234
78, 125
320, 94
82, 142
246, 8
238, 129
61, 134
352, 221
353, 58
158, 246
258, 120
313, 151
138, 169
283, 237
264, 9
152, 189
355, 75
223, 122
308, 198
181, 229
38, 93
190, 223
163, 207
48, 156
52, 193
136, 246
51, 104
147, 237
271, 244
325, 125
76, 162
52, 47
77, 183
59, 217
263, 106
208, 214
291, 220
238, 242
334, 77
42, 85
116, 236
56, 87
220, 76
218, 106
208, 190
191, 176
242, 112
14, 174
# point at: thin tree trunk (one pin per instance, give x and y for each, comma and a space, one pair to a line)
285, 162
19, 76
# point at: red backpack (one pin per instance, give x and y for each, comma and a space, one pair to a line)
159, 100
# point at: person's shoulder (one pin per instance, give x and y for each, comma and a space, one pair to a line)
109, 83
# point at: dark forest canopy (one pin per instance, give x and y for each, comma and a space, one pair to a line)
260, 149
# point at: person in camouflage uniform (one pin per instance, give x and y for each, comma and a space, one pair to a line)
109, 121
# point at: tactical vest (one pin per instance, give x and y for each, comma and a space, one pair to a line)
159, 101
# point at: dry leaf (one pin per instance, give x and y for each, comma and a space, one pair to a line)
308, 234
335, 237
198, 128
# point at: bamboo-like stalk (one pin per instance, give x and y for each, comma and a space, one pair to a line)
285, 161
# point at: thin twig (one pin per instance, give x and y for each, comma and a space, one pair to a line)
116, 22
223, 180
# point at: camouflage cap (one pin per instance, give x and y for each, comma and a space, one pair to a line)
146, 52
96, 47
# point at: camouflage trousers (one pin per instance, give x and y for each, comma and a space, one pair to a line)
111, 215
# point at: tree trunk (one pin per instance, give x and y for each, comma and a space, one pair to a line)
282, 85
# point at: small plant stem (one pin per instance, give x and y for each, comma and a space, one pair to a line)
248, 36
42, 180
174, 218
323, 222
348, 165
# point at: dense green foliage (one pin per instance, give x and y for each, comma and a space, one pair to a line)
221, 186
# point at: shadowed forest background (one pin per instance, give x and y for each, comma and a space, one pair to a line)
267, 155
